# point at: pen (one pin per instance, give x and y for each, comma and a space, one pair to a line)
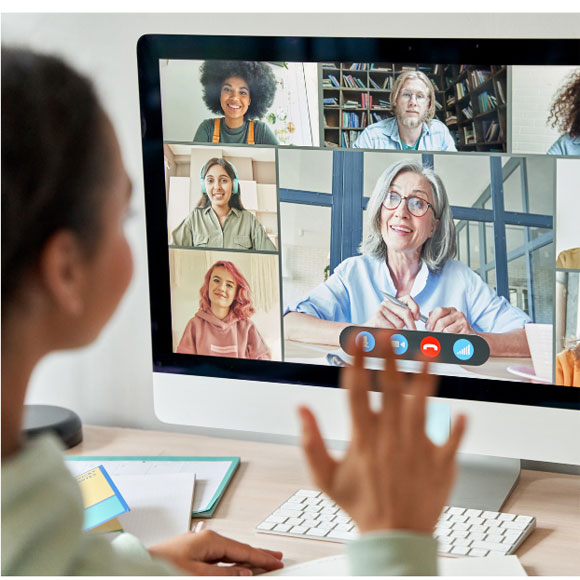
388, 296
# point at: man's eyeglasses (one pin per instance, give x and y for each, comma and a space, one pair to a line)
416, 205
419, 97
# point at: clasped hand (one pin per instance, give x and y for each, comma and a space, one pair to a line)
441, 319
392, 477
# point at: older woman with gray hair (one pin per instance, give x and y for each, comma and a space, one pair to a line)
408, 254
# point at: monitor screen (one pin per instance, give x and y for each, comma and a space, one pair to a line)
300, 191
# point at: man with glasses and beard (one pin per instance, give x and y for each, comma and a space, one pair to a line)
413, 127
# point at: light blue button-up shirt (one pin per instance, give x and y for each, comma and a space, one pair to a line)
385, 135
565, 145
354, 291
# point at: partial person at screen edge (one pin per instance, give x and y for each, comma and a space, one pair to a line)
242, 92
565, 116
414, 125
568, 367
408, 253
222, 325
569, 259
220, 220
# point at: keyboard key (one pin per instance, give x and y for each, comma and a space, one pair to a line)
312, 508
489, 515
316, 532
479, 529
265, 526
307, 493
459, 550
342, 519
493, 523
276, 519
326, 525
328, 510
297, 499
299, 530
506, 517
475, 521
513, 525
294, 521
444, 548
326, 517
523, 520
478, 552
312, 501
473, 513
289, 505
310, 523
282, 528
289, 513
476, 537
489, 546
456, 511
460, 527
344, 527
343, 535
495, 538
462, 542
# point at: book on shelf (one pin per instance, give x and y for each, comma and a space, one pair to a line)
351, 104
334, 81
461, 89
388, 83
478, 77
327, 84
374, 85
500, 93
451, 101
438, 105
469, 134
359, 66
436, 69
330, 101
486, 102
377, 117
468, 112
381, 66
450, 118
491, 131
406, 68
353, 120
329, 65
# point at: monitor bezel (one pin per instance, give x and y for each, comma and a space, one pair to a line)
151, 48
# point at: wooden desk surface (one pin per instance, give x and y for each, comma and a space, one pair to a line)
269, 473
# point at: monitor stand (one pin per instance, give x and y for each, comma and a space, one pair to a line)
484, 482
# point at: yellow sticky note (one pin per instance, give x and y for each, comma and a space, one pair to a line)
113, 525
94, 487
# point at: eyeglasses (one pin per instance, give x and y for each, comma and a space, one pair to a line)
419, 97
416, 205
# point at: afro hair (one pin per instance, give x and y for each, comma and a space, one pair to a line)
259, 76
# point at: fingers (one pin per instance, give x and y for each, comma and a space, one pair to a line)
357, 380
413, 306
400, 316
221, 549
457, 431
322, 465
203, 569
391, 381
422, 386
435, 316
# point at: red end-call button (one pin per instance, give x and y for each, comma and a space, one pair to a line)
430, 346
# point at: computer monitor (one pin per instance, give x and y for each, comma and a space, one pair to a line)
302, 189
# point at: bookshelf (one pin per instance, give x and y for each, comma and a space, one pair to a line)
475, 106
355, 95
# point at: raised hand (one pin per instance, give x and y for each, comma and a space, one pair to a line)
392, 476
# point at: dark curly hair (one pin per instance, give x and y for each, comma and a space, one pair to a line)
259, 76
55, 160
565, 112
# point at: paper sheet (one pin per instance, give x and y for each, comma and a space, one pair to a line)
338, 566
208, 474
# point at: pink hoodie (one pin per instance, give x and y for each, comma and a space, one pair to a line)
206, 334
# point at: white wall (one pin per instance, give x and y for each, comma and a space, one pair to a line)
568, 202
109, 383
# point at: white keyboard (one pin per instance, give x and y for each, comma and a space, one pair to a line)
459, 531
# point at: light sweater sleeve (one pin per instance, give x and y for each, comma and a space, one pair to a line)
393, 553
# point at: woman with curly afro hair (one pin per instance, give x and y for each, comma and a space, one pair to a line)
242, 91
565, 116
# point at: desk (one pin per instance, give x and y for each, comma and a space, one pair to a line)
269, 473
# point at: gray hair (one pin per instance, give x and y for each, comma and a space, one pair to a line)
436, 250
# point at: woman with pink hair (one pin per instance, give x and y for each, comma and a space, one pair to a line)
222, 325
